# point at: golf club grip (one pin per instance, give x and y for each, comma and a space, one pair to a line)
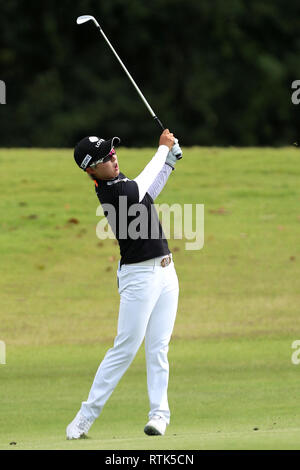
179, 157
159, 123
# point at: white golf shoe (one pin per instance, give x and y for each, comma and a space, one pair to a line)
79, 427
156, 426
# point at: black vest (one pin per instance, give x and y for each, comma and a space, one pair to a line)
137, 241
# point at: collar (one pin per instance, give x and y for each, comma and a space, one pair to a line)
120, 177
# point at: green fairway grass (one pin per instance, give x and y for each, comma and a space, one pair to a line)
232, 382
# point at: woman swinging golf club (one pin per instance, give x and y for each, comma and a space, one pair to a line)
147, 280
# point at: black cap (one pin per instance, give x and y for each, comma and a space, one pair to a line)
91, 149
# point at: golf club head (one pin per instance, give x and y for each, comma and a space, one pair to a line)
85, 18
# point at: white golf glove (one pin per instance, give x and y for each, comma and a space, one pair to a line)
174, 154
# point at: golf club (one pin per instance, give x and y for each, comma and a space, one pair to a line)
83, 19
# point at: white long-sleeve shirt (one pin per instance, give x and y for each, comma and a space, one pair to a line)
160, 181
151, 171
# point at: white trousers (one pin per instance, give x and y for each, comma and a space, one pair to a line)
148, 305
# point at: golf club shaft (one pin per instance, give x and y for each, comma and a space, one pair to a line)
132, 81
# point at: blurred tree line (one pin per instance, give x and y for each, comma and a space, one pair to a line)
216, 72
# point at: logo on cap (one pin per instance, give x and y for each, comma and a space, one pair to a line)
99, 142
86, 161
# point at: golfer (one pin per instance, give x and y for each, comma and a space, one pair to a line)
147, 280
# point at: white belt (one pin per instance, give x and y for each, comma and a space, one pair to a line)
159, 261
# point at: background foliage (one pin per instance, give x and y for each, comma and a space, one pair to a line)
216, 72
